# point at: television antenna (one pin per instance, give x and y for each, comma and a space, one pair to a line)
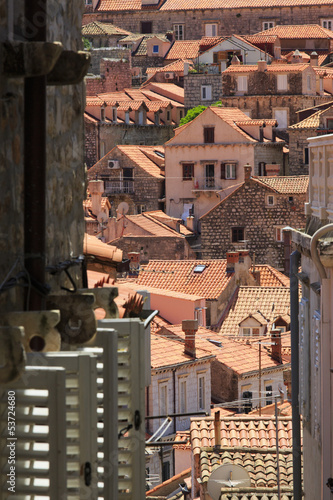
102, 217
123, 208
227, 476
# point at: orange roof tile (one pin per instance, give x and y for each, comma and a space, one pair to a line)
284, 409
286, 184
137, 155
174, 66
183, 49
293, 31
167, 90
178, 478
168, 5
98, 28
269, 301
168, 352
241, 431
312, 121
179, 276
271, 68
271, 277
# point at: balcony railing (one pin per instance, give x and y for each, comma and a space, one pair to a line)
205, 184
119, 187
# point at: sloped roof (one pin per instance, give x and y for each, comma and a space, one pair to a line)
98, 28
271, 68
138, 156
173, 66
293, 31
269, 301
168, 90
271, 277
241, 431
183, 49
237, 4
312, 121
179, 276
286, 184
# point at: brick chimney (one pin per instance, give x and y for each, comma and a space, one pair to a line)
96, 189
190, 327
262, 65
276, 346
247, 172
314, 59
232, 260
217, 430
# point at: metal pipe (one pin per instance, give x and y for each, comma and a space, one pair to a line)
294, 306
35, 158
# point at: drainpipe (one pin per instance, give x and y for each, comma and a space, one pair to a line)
294, 307
326, 346
35, 158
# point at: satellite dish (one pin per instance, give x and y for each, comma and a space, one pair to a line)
227, 476
102, 217
123, 208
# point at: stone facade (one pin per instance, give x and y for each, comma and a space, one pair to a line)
155, 247
113, 134
65, 184
111, 53
298, 142
243, 20
247, 208
192, 89
147, 190
115, 74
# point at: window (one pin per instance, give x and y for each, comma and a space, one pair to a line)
247, 396
237, 234
178, 30
228, 171
181, 114
211, 29
206, 92
262, 168
209, 135
88, 2
210, 175
327, 23
242, 83
246, 332
201, 392
182, 396
168, 116
266, 25
146, 27
140, 117
250, 331
329, 124
165, 471
270, 200
163, 398
269, 393
281, 116
127, 117
282, 82
188, 171
140, 209
308, 82
155, 49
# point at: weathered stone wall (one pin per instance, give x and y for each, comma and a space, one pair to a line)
297, 143
267, 153
115, 75
147, 189
262, 106
262, 83
116, 53
65, 185
155, 247
192, 89
248, 208
241, 21
224, 383
145, 62
113, 135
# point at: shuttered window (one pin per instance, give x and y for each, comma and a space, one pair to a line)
209, 136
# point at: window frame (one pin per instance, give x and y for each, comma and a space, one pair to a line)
329, 23
280, 81
233, 232
208, 134
158, 49
266, 25
163, 386
225, 166
242, 83
207, 90
279, 234
176, 30
268, 392
182, 394
201, 392
215, 24
188, 171
268, 196
146, 23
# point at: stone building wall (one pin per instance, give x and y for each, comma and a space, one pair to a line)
297, 143
147, 189
145, 62
114, 134
242, 21
116, 53
248, 208
192, 89
156, 247
262, 106
268, 153
115, 74
262, 83
65, 183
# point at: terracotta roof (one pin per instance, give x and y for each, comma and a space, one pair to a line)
255, 122
241, 431
97, 28
151, 226
271, 68
157, 323
174, 66
260, 465
312, 121
286, 184
182, 436
179, 276
94, 246
271, 277
293, 31
237, 4
207, 42
261, 38
178, 478
137, 155
284, 409
168, 352
159, 291
167, 90
232, 116
94, 101
269, 301
183, 49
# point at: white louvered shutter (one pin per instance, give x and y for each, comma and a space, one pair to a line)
315, 375
41, 435
81, 419
304, 359
132, 357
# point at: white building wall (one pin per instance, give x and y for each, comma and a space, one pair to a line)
276, 379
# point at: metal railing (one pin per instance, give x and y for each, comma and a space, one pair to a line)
117, 187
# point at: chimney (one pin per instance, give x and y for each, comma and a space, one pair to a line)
186, 68
190, 223
232, 260
190, 327
96, 189
262, 65
296, 57
272, 169
314, 59
235, 61
276, 346
247, 172
217, 430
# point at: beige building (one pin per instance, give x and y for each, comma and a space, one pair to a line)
206, 158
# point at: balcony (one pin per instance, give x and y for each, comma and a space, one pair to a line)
119, 187
205, 184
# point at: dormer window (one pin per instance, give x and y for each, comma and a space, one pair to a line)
250, 331
155, 49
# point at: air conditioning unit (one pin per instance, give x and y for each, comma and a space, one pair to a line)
113, 164
169, 76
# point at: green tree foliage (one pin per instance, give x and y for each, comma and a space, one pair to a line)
194, 112
86, 44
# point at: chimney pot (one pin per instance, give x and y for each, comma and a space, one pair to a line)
276, 347
190, 327
262, 65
